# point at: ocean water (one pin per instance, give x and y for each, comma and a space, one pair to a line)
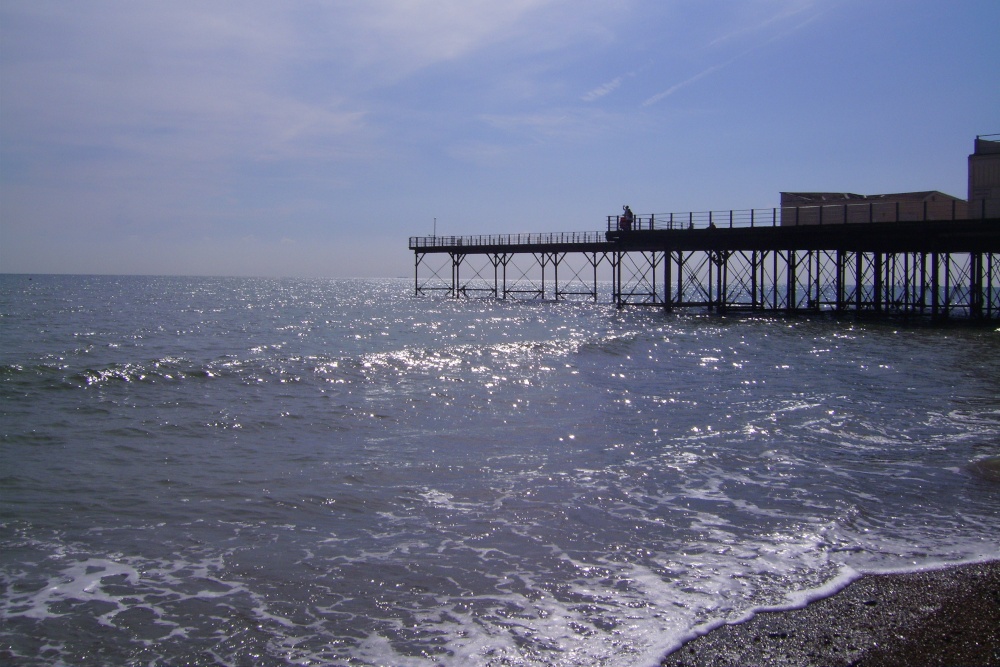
211, 471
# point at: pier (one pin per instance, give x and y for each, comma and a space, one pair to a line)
933, 260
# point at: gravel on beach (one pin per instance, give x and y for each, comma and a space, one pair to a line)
936, 617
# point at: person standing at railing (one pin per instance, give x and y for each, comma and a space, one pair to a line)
626, 220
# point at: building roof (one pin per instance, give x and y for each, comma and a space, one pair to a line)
987, 146
850, 197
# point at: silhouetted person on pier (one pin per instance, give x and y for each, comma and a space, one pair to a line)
626, 220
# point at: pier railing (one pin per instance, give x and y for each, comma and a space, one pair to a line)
783, 216
553, 238
817, 214
757, 217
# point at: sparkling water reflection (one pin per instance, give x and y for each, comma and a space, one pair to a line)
332, 472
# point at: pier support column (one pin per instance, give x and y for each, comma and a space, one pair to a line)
594, 262
790, 281
839, 287
722, 283
877, 274
495, 260
667, 264
947, 285
907, 284
680, 278
989, 285
416, 273
935, 286
976, 285
555, 259
456, 262
859, 281
923, 283
616, 279
504, 260
709, 295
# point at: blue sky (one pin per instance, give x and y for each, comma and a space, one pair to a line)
313, 138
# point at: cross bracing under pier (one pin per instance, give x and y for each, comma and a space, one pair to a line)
927, 268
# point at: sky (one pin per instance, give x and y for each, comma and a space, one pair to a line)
311, 139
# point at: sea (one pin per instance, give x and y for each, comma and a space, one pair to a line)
236, 471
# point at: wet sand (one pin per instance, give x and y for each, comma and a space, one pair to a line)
940, 617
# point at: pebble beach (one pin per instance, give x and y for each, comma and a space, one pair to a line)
934, 617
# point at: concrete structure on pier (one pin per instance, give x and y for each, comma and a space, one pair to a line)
984, 177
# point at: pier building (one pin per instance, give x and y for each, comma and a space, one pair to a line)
815, 208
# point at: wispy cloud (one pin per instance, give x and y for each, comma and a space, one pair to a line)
765, 26
243, 81
602, 90
170, 85
687, 82
795, 8
392, 38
